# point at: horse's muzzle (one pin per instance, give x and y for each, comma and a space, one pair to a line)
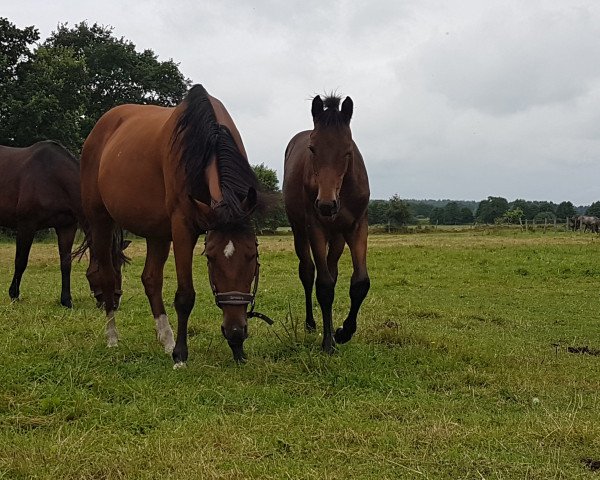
327, 208
235, 337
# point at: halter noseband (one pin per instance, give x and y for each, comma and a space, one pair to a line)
239, 298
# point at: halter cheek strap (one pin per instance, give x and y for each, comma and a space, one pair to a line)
240, 298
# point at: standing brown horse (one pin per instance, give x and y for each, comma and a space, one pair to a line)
170, 174
39, 189
326, 195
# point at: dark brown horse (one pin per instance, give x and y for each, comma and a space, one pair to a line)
326, 194
170, 174
39, 189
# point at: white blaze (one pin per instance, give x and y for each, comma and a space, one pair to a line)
229, 249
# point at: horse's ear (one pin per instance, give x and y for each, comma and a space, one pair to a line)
317, 107
125, 244
347, 109
251, 200
207, 213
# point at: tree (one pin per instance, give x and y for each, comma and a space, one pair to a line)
398, 212
490, 209
565, 210
593, 209
14, 51
378, 212
513, 215
61, 90
436, 216
274, 216
466, 216
451, 214
267, 178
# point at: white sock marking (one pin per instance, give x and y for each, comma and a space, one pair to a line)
112, 337
164, 333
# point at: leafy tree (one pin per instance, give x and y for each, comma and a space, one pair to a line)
274, 216
267, 178
565, 210
466, 216
513, 215
14, 51
398, 212
61, 90
490, 209
530, 209
451, 214
593, 209
437, 216
378, 212
420, 209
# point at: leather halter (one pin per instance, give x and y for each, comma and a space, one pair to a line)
239, 298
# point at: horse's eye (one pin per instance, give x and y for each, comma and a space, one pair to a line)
312, 149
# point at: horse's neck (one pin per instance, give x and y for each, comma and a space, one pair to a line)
211, 175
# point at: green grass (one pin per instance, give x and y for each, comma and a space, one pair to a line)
460, 369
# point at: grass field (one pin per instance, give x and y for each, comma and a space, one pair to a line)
475, 357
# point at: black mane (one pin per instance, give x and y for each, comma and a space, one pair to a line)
200, 137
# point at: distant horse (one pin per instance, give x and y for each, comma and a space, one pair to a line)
170, 174
588, 222
39, 189
326, 194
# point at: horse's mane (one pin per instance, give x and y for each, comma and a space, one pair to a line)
331, 116
198, 137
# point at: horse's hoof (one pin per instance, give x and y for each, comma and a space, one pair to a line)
67, 303
342, 336
179, 365
310, 327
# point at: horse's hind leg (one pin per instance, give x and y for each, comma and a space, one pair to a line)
66, 236
306, 272
359, 283
152, 278
25, 234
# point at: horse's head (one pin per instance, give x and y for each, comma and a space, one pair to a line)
231, 252
93, 275
331, 150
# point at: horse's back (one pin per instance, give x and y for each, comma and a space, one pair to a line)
122, 166
40, 181
296, 156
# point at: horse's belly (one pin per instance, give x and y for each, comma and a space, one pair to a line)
135, 200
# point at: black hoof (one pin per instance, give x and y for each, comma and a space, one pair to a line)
67, 303
310, 327
342, 336
329, 348
179, 356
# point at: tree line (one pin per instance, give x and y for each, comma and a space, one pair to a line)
399, 212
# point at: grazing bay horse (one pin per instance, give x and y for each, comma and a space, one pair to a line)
39, 189
326, 195
170, 174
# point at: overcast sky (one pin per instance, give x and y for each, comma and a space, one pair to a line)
452, 99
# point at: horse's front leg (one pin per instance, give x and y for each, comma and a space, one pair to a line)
25, 234
184, 241
359, 283
157, 252
325, 285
